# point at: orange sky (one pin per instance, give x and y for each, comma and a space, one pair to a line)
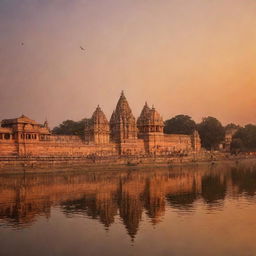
193, 57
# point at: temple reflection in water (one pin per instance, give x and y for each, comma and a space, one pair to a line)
127, 194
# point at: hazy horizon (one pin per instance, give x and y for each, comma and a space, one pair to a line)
185, 57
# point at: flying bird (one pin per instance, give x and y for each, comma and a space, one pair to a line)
82, 48
22, 43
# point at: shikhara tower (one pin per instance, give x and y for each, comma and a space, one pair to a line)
97, 128
123, 123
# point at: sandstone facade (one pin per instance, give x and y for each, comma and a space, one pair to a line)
122, 135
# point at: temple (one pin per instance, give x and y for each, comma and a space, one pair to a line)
122, 135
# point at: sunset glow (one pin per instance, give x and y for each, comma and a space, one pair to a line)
191, 57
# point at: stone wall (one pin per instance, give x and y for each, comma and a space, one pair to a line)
177, 142
56, 145
59, 145
132, 147
69, 149
8, 147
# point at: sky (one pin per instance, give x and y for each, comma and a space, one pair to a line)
194, 57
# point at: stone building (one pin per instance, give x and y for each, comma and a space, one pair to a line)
151, 126
97, 128
122, 135
226, 144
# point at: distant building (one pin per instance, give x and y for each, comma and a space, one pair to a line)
122, 135
225, 145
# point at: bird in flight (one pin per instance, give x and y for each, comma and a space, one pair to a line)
82, 48
22, 43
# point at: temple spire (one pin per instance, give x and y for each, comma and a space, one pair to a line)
97, 128
122, 122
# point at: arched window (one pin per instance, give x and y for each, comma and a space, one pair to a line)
7, 136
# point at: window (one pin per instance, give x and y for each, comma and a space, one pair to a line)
7, 136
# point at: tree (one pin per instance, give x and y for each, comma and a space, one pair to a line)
70, 127
232, 126
246, 137
180, 124
236, 146
211, 132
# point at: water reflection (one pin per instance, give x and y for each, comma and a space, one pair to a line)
214, 188
244, 180
126, 194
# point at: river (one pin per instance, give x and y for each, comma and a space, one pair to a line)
187, 210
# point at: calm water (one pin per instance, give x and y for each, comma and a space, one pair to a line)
203, 210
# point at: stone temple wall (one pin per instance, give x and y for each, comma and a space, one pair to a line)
177, 142
162, 144
63, 139
132, 147
70, 145
57, 145
8, 148
66, 146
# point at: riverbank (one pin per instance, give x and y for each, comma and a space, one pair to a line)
66, 164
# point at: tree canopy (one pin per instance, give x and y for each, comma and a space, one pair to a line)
180, 124
244, 139
232, 126
211, 132
70, 127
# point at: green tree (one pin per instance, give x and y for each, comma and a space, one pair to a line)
232, 126
70, 127
236, 145
180, 124
211, 132
247, 137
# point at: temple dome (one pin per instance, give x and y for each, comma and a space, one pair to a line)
149, 121
97, 128
99, 117
149, 116
154, 117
